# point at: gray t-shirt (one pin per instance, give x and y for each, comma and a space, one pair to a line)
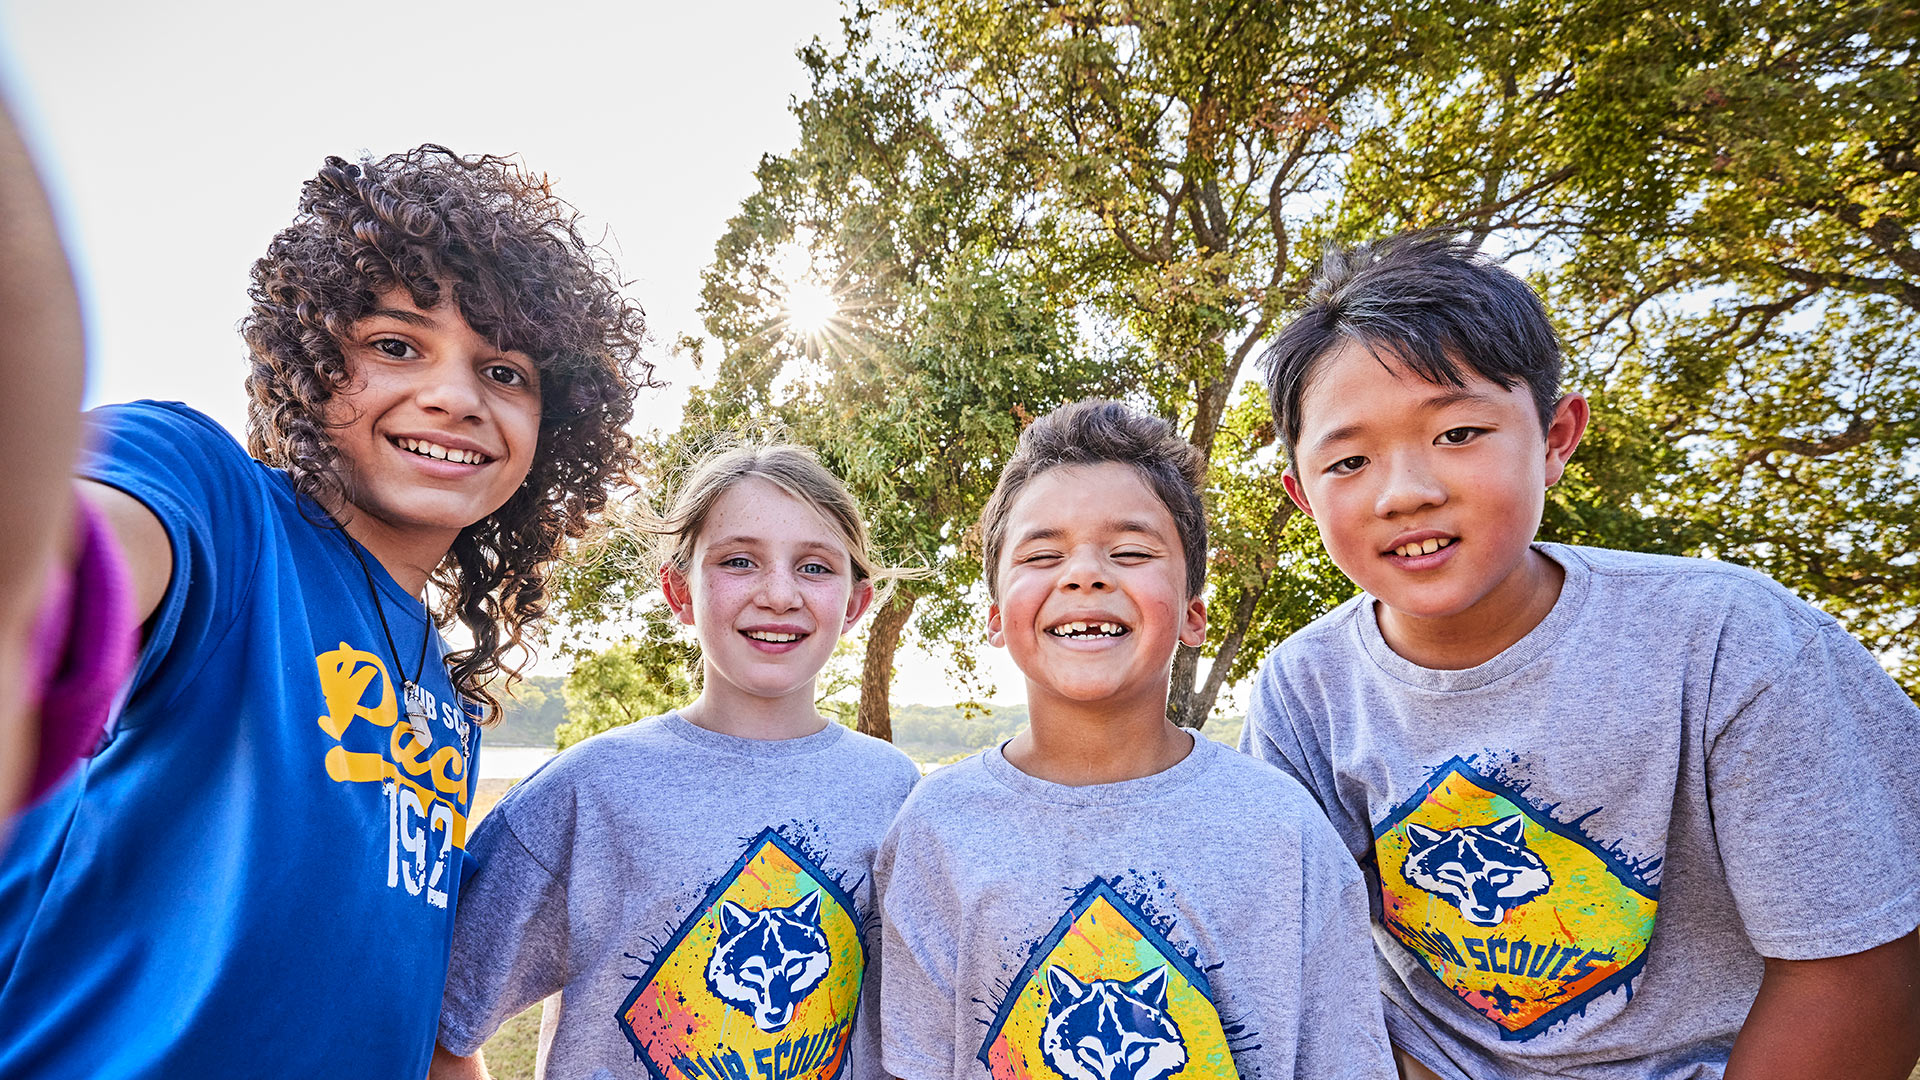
698, 901
1198, 922
1676, 738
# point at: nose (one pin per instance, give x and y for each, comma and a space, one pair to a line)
1409, 484
1084, 569
451, 386
778, 590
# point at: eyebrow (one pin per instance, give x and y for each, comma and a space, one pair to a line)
1125, 525
1436, 403
411, 318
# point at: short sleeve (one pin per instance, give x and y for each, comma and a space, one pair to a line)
920, 956
509, 933
1342, 1035
211, 499
1271, 735
1813, 783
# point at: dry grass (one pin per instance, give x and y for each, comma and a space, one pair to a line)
511, 1051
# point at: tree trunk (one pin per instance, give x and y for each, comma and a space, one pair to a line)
1189, 707
875, 715
1186, 667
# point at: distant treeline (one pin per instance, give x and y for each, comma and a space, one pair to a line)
926, 732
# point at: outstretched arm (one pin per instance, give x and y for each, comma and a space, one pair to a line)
42, 371
1856, 1016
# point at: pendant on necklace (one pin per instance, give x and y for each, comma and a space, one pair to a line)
419, 716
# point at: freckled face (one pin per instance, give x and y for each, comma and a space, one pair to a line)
1427, 496
1093, 588
770, 590
436, 428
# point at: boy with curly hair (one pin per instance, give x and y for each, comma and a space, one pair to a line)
1622, 815
261, 862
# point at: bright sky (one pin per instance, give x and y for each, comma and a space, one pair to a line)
176, 136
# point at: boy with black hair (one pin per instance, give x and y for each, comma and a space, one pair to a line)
1622, 815
1102, 898
257, 872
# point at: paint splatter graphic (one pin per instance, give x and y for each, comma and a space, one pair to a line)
1102, 985
760, 983
1523, 916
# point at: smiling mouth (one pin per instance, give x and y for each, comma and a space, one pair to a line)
1084, 630
423, 448
1424, 547
771, 637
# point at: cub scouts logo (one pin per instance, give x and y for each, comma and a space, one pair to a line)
1522, 916
760, 983
1105, 996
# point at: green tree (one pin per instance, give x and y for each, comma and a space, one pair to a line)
944, 341
645, 675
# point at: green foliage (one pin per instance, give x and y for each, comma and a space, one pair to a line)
627, 682
531, 713
1018, 202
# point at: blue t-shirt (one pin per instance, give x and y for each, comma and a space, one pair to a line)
257, 875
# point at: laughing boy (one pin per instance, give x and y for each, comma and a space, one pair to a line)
1106, 896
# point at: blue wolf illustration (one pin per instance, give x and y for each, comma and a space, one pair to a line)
1484, 870
1107, 1029
766, 962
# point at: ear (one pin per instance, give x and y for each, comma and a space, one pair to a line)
1193, 623
996, 628
733, 917
858, 603
1151, 988
1512, 829
1564, 433
1420, 838
679, 597
1296, 490
1062, 985
808, 910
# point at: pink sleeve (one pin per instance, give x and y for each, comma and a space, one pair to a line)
84, 646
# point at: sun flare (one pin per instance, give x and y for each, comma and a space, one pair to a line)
811, 309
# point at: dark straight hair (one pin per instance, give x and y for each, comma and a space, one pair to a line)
1441, 307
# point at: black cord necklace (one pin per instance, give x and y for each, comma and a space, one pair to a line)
418, 717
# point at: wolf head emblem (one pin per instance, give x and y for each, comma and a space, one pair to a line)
766, 961
1484, 870
1107, 1029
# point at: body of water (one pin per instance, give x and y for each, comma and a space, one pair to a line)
511, 762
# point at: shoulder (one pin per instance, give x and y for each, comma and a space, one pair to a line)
1262, 809
947, 795
162, 429
609, 755
863, 751
1331, 636
1698, 596
177, 461
1258, 791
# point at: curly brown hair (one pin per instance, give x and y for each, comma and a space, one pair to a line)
510, 251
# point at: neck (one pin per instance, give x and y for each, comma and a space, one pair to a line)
408, 556
1489, 628
727, 710
1080, 743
